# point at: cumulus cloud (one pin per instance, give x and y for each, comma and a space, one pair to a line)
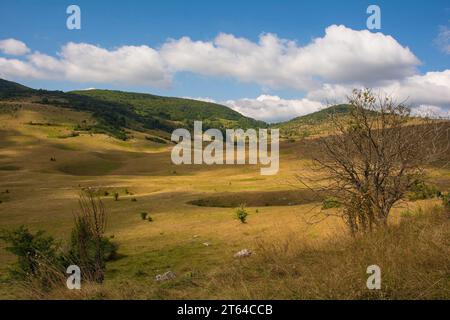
273, 108
81, 62
431, 88
13, 47
342, 55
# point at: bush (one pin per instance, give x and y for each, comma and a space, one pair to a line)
420, 191
32, 251
144, 215
116, 196
241, 213
150, 219
330, 202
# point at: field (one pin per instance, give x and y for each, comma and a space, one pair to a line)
194, 233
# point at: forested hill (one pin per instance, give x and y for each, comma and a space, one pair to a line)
117, 111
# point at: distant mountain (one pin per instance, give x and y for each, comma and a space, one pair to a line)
117, 111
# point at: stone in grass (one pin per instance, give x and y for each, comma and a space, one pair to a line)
206, 244
243, 253
169, 275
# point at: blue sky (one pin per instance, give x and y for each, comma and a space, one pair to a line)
421, 26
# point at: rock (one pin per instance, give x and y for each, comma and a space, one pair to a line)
243, 253
206, 244
169, 275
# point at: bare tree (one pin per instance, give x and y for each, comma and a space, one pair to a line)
374, 155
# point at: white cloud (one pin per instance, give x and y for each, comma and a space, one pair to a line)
443, 39
13, 47
342, 55
81, 62
272, 108
431, 88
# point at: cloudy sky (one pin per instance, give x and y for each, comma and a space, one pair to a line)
271, 60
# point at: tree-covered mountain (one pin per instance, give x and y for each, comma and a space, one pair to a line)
117, 111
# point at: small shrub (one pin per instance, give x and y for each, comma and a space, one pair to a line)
144, 215
150, 219
32, 251
134, 199
420, 191
106, 193
330, 202
241, 213
116, 196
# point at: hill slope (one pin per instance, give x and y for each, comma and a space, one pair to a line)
117, 111
312, 123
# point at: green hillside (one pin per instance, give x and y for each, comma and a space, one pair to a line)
310, 124
320, 116
117, 111
175, 109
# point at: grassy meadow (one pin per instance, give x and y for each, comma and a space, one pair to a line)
194, 232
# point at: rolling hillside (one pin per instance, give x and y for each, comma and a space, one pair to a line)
116, 111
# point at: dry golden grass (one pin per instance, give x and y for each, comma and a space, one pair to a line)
43, 195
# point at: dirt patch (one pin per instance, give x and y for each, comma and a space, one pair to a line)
259, 199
